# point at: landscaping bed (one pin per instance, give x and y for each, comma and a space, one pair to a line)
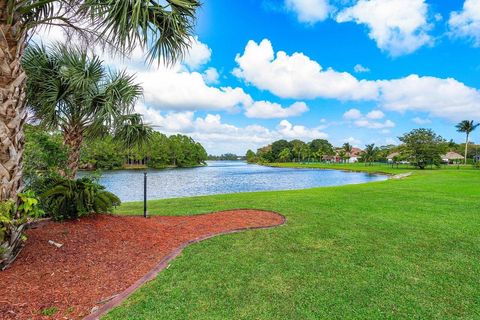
101, 256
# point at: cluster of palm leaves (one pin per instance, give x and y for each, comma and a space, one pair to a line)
71, 199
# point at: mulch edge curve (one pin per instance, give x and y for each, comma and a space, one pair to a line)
118, 299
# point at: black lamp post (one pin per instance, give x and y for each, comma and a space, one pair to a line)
145, 193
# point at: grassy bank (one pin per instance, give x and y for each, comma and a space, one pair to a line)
405, 248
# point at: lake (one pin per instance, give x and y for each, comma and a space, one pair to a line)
223, 177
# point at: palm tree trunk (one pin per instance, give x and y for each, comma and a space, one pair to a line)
466, 148
12, 104
73, 138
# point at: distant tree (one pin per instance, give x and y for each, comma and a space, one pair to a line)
296, 147
467, 127
305, 152
251, 156
320, 148
423, 147
278, 147
370, 153
265, 154
347, 147
285, 155
342, 154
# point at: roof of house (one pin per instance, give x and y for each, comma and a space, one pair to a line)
393, 155
356, 152
452, 156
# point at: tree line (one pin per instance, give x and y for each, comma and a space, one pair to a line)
46, 151
419, 147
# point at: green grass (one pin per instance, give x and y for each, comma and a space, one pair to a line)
398, 249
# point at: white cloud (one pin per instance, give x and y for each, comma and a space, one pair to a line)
297, 75
366, 123
352, 114
421, 121
370, 120
358, 68
466, 23
198, 55
221, 137
290, 131
353, 141
397, 26
309, 11
211, 76
174, 89
269, 110
443, 98
375, 115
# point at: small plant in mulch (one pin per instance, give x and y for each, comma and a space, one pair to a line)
14, 217
49, 311
71, 199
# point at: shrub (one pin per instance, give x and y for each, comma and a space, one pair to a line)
13, 219
70, 199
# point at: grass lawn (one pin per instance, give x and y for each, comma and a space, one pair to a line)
395, 249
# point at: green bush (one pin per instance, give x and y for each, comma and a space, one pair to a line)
13, 219
70, 199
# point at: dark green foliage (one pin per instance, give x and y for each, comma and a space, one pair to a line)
71, 199
295, 150
278, 147
370, 153
423, 147
251, 156
44, 154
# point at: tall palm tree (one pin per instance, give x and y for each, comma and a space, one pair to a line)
163, 27
347, 147
370, 153
70, 91
466, 126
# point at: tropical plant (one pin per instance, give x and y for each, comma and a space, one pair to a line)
467, 127
164, 28
422, 147
370, 153
347, 147
71, 199
68, 90
251, 156
285, 155
13, 218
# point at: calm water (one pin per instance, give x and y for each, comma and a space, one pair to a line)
223, 177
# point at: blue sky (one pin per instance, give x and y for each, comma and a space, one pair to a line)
361, 71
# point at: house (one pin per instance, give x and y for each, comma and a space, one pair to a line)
354, 155
392, 156
341, 156
452, 157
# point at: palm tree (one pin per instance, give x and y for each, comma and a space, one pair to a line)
370, 153
347, 147
130, 132
466, 126
164, 28
70, 91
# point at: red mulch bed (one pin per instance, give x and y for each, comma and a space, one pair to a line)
101, 256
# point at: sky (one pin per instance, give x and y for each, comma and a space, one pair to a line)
357, 71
